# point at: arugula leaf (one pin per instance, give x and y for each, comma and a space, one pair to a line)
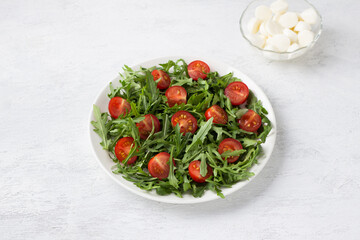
186, 185
232, 153
201, 134
172, 179
239, 113
246, 142
100, 126
203, 165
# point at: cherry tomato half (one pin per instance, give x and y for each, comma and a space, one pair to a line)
187, 122
145, 126
194, 171
219, 114
198, 69
175, 95
230, 144
159, 165
118, 106
237, 92
164, 82
123, 148
250, 121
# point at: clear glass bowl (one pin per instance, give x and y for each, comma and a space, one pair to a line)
294, 6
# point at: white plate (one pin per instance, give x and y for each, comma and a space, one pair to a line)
106, 162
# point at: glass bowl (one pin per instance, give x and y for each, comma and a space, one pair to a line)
294, 6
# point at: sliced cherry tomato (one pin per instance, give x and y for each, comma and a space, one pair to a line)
159, 165
219, 114
145, 126
237, 92
198, 69
118, 106
175, 95
187, 122
250, 121
230, 144
164, 82
123, 148
194, 171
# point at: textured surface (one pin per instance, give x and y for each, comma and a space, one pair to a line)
56, 55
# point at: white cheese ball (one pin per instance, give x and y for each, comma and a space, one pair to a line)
293, 47
258, 40
310, 16
263, 13
273, 28
301, 26
280, 41
270, 47
291, 35
253, 25
288, 20
305, 38
279, 6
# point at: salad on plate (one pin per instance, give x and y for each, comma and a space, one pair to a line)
180, 128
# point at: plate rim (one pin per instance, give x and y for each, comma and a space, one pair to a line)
193, 200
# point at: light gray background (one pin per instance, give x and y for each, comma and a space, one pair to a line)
56, 55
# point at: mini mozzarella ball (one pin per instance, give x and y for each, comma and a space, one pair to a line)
293, 47
258, 40
301, 26
270, 47
273, 28
263, 13
279, 6
288, 20
253, 25
310, 16
281, 42
305, 38
262, 30
291, 35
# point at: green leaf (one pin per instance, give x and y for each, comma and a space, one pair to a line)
198, 191
232, 153
201, 134
166, 126
100, 126
239, 113
203, 165
186, 184
172, 179
246, 142
162, 191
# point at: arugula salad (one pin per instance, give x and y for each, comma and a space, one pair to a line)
181, 128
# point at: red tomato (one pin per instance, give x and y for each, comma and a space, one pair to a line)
123, 148
198, 69
159, 165
219, 114
187, 122
175, 95
164, 82
237, 92
145, 126
250, 121
230, 144
194, 171
118, 106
